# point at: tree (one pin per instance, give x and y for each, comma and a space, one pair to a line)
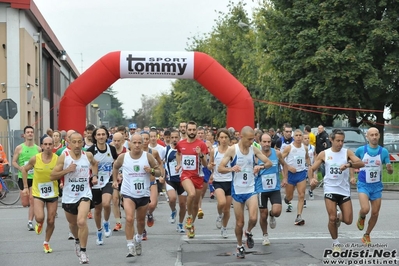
144, 115
115, 115
114, 118
334, 53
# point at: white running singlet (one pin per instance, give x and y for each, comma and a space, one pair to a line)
136, 181
297, 158
76, 183
244, 181
219, 177
335, 180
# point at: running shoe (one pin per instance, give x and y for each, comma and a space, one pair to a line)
266, 241
299, 221
144, 234
83, 258
70, 236
250, 240
272, 220
150, 220
89, 215
304, 203
189, 221
366, 239
180, 228
224, 232
191, 232
47, 248
360, 222
77, 248
336, 248
289, 207
240, 252
99, 240
200, 214
30, 226
311, 196
118, 226
38, 228
172, 218
339, 218
138, 248
219, 221
107, 231
131, 252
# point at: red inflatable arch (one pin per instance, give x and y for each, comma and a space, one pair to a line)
173, 65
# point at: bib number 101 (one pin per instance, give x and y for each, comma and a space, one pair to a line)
138, 186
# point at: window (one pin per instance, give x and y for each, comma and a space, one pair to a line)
28, 69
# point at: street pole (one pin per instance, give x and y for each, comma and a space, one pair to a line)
9, 132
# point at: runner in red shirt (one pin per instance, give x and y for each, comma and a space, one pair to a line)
190, 154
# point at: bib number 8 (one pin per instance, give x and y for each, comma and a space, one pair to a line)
245, 176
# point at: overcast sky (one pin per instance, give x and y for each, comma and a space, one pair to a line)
89, 29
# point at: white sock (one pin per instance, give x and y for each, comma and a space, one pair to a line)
130, 243
335, 242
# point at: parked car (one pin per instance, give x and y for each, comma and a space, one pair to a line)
392, 147
354, 137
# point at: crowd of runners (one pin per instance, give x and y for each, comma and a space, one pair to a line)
102, 170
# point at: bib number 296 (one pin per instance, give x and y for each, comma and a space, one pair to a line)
78, 188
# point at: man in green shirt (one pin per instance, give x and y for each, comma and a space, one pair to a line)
22, 155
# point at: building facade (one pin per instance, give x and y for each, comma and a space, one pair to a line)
35, 69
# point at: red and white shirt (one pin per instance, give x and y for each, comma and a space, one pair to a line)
190, 159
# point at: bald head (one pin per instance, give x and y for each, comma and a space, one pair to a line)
69, 133
118, 139
118, 136
372, 130
48, 140
373, 136
247, 130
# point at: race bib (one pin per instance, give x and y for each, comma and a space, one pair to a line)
78, 189
299, 161
172, 167
30, 172
373, 174
189, 162
138, 186
244, 181
103, 177
269, 181
46, 190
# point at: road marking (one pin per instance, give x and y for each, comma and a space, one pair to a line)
296, 236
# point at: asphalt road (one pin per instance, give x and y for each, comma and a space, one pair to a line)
290, 244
